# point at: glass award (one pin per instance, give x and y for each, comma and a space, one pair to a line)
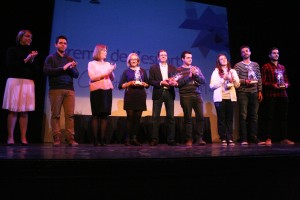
280, 78
228, 84
176, 77
137, 77
252, 76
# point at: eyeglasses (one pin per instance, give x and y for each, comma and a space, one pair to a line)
133, 59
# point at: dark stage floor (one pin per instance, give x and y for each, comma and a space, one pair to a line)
162, 151
161, 172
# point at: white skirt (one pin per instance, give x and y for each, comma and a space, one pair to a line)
19, 95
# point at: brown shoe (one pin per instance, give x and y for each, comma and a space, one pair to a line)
287, 141
56, 140
268, 142
189, 142
71, 141
153, 142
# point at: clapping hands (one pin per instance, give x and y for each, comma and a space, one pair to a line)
31, 56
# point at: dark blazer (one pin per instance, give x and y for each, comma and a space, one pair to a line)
155, 77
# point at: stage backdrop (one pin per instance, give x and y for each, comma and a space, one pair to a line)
144, 27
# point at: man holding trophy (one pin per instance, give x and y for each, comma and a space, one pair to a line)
249, 95
275, 81
161, 78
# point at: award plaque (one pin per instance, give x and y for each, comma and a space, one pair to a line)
280, 78
176, 77
228, 84
252, 76
137, 77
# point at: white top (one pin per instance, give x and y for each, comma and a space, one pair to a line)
219, 86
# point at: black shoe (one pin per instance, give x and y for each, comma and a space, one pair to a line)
172, 143
127, 143
135, 143
96, 144
153, 142
10, 144
24, 144
102, 144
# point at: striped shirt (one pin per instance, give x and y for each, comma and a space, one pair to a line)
242, 71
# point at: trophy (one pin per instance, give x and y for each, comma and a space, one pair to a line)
137, 77
176, 77
280, 78
251, 75
228, 84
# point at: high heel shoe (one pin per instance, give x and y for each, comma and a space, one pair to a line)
24, 144
10, 144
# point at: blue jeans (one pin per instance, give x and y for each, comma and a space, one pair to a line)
189, 103
248, 115
168, 101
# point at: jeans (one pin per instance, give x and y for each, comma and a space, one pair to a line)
62, 98
168, 101
248, 115
224, 111
189, 103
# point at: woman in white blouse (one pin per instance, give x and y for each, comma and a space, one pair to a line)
223, 81
101, 86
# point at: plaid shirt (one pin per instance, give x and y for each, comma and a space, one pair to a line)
269, 78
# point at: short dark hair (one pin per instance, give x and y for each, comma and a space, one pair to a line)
60, 37
271, 49
160, 52
244, 46
185, 52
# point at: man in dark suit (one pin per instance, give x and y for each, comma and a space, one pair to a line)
163, 92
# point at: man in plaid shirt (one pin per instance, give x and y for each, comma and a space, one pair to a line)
275, 82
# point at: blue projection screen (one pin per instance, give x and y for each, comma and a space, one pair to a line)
144, 27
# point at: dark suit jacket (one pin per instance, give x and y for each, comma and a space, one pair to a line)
155, 77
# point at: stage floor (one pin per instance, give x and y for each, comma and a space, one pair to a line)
162, 151
146, 172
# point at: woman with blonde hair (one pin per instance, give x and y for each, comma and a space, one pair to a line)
134, 81
19, 95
